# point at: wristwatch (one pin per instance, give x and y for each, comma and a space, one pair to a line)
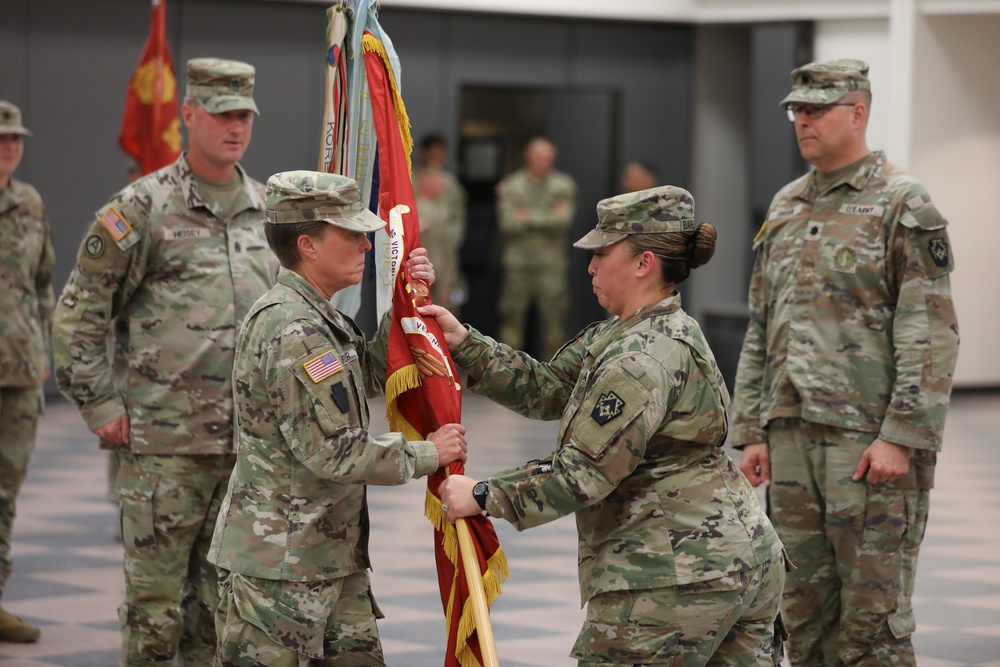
480, 492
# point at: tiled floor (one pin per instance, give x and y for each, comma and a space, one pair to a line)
67, 566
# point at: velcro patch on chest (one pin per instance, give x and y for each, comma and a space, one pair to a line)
323, 366
609, 405
116, 225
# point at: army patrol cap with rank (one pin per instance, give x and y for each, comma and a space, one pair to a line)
10, 120
827, 82
221, 85
663, 209
307, 196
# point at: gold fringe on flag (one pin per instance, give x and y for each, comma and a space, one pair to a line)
496, 573
370, 43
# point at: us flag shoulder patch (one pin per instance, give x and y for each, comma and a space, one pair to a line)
116, 225
323, 366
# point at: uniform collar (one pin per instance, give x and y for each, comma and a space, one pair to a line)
294, 281
808, 189
250, 198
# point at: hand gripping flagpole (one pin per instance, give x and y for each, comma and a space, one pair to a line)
480, 609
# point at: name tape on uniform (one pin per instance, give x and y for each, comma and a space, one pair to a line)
185, 234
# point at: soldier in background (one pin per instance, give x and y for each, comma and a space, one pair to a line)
292, 538
179, 257
678, 563
26, 260
535, 208
441, 209
845, 375
639, 175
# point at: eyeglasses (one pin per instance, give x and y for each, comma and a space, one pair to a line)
813, 111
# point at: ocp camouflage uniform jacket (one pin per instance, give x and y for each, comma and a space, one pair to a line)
296, 507
26, 259
851, 319
533, 217
643, 409
161, 258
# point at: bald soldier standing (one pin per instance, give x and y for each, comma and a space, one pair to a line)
26, 259
845, 375
535, 208
179, 257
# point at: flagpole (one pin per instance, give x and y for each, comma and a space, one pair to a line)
473, 578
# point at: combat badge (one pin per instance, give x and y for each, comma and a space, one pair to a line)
844, 259
338, 393
608, 407
938, 249
94, 246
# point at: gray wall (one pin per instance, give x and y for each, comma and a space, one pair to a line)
67, 63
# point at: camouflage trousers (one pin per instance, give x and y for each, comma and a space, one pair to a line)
168, 509
725, 622
548, 293
854, 545
274, 623
20, 408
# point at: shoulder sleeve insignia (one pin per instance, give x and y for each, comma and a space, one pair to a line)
608, 407
323, 366
116, 225
938, 249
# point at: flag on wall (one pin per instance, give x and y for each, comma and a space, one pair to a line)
151, 127
422, 388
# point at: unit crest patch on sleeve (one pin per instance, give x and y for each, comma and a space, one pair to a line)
608, 406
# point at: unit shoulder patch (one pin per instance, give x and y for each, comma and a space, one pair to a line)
609, 405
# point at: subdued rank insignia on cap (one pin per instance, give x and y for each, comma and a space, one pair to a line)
6, 115
608, 407
323, 366
116, 225
938, 248
338, 392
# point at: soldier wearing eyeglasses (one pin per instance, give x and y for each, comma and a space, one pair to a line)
845, 376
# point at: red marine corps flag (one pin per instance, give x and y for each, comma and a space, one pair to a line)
422, 389
151, 128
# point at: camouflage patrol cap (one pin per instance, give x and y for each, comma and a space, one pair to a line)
827, 82
221, 85
663, 209
306, 196
10, 120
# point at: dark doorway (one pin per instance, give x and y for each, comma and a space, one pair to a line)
494, 125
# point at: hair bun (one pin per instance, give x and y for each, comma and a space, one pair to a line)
701, 246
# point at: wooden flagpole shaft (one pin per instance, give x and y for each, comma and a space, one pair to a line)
480, 610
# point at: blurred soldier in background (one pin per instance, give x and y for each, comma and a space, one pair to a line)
535, 208
441, 209
26, 260
639, 175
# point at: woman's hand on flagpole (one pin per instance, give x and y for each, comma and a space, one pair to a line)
449, 440
419, 266
453, 330
456, 492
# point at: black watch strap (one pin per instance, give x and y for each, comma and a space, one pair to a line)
481, 492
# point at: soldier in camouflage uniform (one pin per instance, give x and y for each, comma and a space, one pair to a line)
292, 537
178, 257
678, 563
535, 208
26, 260
441, 207
845, 374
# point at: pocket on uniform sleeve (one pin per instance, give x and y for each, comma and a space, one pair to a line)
615, 401
285, 625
